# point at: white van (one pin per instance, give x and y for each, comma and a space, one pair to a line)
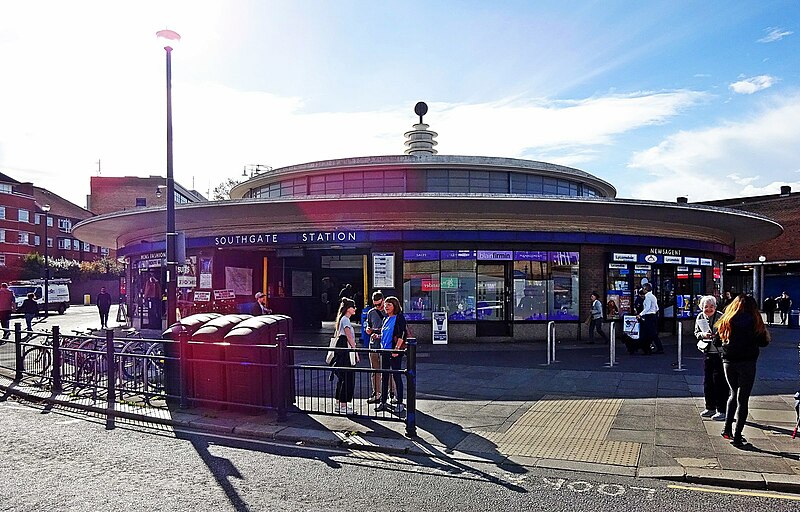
57, 293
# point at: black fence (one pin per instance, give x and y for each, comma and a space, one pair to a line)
162, 373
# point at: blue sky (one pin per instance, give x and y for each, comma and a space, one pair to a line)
661, 99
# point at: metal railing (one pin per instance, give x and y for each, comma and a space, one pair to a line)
162, 373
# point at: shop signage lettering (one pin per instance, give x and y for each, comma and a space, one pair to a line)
246, 239
706, 262
675, 260
691, 261
224, 294
642, 267
624, 257
202, 296
665, 252
651, 258
495, 255
617, 265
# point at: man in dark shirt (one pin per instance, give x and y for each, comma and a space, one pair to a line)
103, 301
375, 318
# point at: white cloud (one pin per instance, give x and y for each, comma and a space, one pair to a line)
774, 34
752, 84
750, 157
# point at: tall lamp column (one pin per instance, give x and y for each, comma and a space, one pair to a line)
170, 38
46, 210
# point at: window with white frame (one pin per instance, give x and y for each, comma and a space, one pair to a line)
2, 260
104, 251
86, 247
37, 240
2, 235
64, 243
49, 242
49, 221
65, 225
23, 237
2, 212
5, 188
37, 218
76, 245
24, 215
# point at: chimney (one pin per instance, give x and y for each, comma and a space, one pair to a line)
683, 200
786, 190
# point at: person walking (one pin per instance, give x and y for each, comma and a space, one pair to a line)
394, 333
742, 332
374, 322
30, 308
103, 301
152, 298
649, 319
715, 386
770, 305
597, 319
784, 305
346, 379
7, 303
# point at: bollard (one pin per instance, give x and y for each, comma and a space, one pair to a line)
411, 388
56, 374
111, 369
551, 327
281, 381
612, 345
19, 362
550, 356
680, 349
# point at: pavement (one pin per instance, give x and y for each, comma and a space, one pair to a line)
501, 403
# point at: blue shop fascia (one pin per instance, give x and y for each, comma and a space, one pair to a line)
489, 280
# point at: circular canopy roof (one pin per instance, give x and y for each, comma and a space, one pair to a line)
434, 211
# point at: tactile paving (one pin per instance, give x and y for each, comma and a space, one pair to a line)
561, 428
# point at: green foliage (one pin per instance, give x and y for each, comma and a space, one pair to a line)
105, 268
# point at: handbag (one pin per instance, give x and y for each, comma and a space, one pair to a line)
331, 353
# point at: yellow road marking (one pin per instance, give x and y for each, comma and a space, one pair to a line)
738, 493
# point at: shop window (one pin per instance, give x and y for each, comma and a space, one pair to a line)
618, 291
420, 287
457, 286
531, 278
564, 290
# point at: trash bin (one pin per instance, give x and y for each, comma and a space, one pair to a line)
794, 319
206, 356
189, 325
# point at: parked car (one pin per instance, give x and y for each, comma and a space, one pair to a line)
57, 293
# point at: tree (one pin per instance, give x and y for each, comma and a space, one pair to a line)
222, 192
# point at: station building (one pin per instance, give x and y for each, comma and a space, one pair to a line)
498, 246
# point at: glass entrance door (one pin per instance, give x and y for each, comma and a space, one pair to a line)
492, 305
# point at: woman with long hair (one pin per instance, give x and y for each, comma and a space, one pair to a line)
394, 333
346, 379
742, 332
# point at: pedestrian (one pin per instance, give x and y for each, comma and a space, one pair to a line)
596, 322
343, 360
727, 298
742, 332
649, 321
103, 301
152, 298
374, 322
784, 305
394, 333
7, 304
770, 305
30, 308
260, 306
346, 292
715, 386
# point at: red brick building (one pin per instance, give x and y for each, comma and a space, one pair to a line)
770, 267
110, 194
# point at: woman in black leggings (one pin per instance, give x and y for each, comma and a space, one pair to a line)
742, 332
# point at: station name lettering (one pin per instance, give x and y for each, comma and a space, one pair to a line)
329, 236
246, 239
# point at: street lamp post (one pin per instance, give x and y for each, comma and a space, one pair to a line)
46, 210
170, 38
761, 259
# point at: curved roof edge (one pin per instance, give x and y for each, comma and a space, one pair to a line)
238, 191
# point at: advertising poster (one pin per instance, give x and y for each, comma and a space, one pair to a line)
239, 279
205, 272
439, 328
383, 270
